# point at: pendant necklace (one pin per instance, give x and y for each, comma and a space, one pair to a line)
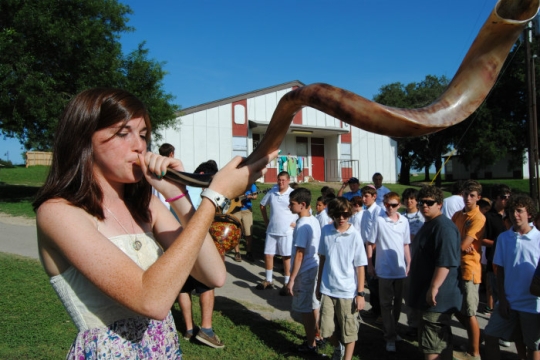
137, 245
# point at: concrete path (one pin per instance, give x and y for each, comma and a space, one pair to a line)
18, 236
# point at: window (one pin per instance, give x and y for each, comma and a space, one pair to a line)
239, 146
345, 151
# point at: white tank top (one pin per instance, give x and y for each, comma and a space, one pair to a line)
88, 306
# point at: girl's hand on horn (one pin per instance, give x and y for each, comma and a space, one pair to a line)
155, 167
232, 181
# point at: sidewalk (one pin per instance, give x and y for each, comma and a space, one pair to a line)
18, 236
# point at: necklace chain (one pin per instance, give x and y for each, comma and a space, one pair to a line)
137, 245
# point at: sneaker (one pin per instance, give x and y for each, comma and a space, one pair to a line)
188, 335
504, 343
284, 291
212, 341
319, 341
237, 257
339, 352
390, 346
264, 285
249, 257
308, 350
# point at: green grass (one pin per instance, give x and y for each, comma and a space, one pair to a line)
33, 322
18, 186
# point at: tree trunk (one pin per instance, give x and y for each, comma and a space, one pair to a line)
426, 173
405, 172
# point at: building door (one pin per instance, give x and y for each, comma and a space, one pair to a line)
317, 159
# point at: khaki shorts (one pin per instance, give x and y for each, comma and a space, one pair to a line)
435, 333
471, 298
341, 314
246, 219
518, 325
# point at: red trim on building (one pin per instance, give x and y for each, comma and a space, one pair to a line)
271, 175
297, 120
346, 138
240, 129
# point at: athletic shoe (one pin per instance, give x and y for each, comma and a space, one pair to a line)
265, 285
390, 346
212, 341
504, 343
308, 350
284, 291
339, 352
237, 257
188, 335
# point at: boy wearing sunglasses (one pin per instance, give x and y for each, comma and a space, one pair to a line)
435, 276
391, 236
341, 279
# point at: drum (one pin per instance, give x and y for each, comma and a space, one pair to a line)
226, 232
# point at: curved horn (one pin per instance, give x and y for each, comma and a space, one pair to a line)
467, 90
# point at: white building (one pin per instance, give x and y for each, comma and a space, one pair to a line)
326, 148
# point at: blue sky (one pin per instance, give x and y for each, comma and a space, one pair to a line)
216, 49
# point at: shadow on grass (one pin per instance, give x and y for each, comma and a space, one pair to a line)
16, 193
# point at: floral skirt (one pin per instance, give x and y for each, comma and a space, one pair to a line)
135, 338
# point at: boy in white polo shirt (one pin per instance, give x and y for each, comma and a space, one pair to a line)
279, 231
391, 236
305, 265
341, 279
516, 316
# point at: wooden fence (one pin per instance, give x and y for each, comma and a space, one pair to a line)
38, 158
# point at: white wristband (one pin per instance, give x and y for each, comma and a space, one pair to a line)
219, 200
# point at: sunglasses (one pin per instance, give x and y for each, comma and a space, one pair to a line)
427, 202
344, 215
392, 205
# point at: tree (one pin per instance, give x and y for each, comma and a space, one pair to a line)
51, 50
499, 127
423, 151
143, 78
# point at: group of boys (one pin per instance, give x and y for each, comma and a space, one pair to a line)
431, 260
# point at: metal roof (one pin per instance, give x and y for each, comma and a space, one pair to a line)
234, 98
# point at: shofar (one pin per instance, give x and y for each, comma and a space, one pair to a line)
465, 93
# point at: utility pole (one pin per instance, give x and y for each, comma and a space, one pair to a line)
534, 187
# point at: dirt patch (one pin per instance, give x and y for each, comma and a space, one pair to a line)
16, 220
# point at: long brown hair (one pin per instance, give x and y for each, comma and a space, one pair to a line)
71, 175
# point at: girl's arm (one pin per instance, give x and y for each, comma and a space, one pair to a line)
69, 235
